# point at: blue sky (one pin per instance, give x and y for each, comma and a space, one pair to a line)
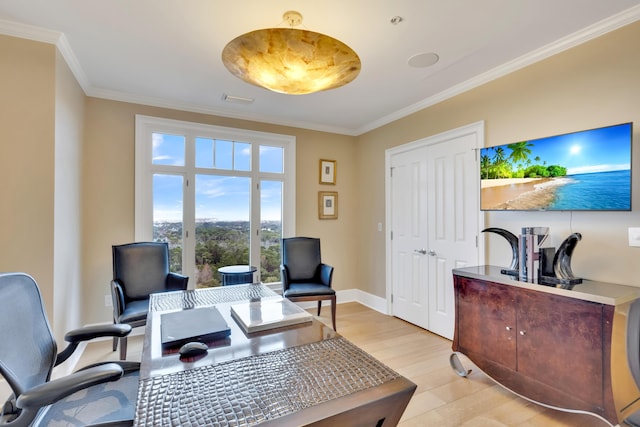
597, 150
220, 197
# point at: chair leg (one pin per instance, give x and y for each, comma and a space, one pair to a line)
333, 312
123, 348
319, 306
115, 343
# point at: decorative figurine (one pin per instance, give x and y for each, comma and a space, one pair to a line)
513, 241
562, 259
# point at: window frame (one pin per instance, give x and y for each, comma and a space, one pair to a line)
145, 126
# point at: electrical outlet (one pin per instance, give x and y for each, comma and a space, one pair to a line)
634, 236
107, 301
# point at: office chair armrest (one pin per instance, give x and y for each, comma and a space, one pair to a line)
90, 332
54, 390
77, 336
284, 276
177, 282
326, 274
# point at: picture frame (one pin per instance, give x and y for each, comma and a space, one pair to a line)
328, 171
328, 204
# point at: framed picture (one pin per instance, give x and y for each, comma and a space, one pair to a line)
327, 204
328, 170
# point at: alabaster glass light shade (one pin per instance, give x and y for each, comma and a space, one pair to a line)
291, 61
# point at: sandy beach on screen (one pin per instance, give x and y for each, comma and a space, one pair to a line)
516, 193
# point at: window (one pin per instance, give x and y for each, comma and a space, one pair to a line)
218, 196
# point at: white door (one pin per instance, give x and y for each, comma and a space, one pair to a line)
434, 220
409, 241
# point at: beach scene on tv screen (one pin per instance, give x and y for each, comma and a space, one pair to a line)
588, 170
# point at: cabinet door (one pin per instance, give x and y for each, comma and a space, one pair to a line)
486, 324
560, 343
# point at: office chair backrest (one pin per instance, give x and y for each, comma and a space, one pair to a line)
27, 346
142, 267
301, 256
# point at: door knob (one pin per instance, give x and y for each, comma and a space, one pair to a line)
420, 251
432, 253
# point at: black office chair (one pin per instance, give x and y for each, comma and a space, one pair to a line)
304, 276
139, 269
102, 394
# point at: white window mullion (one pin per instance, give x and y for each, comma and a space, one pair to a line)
189, 214
289, 192
143, 185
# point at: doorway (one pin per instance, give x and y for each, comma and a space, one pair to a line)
433, 221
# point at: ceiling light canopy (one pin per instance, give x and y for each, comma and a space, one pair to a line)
290, 60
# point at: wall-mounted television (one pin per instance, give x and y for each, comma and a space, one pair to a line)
588, 170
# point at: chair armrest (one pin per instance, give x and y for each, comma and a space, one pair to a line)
77, 336
90, 332
177, 282
284, 277
326, 274
117, 295
54, 390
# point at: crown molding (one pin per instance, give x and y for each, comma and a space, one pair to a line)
59, 39
72, 61
593, 31
56, 38
29, 32
193, 108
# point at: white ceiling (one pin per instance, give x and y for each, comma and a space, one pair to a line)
167, 52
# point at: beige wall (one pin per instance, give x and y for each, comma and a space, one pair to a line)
67, 249
108, 216
27, 85
592, 85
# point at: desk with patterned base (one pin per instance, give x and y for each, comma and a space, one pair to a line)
298, 375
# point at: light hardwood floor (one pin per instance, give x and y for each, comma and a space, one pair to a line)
442, 398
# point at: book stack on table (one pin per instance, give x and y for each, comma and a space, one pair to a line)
255, 316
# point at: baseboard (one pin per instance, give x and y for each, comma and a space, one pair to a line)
374, 302
354, 295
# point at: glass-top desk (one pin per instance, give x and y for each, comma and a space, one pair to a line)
304, 374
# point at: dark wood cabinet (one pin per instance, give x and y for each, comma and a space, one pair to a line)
487, 328
560, 343
552, 349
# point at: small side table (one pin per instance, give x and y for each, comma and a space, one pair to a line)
236, 274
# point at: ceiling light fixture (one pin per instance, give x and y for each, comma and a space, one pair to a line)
290, 60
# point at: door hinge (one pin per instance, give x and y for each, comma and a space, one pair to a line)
391, 234
391, 172
391, 298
